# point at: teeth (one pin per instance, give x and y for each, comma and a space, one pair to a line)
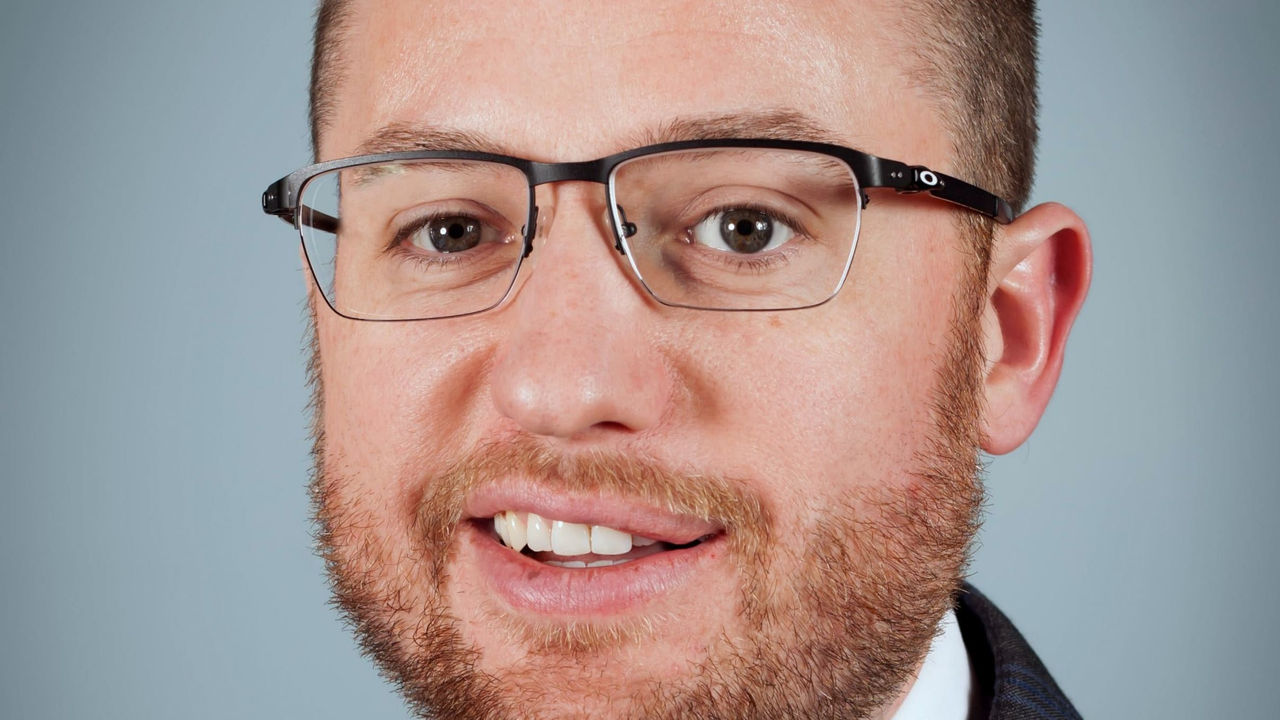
503, 528
570, 538
564, 538
515, 536
538, 532
581, 564
607, 541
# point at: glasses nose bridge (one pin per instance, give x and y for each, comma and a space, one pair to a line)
541, 173
592, 171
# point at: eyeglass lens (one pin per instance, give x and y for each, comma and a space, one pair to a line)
722, 228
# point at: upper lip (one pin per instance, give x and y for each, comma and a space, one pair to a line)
630, 516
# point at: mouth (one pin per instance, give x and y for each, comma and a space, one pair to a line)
559, 543
586, 556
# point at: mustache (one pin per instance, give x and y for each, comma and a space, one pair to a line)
713, 497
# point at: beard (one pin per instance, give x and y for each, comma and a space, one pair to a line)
834, 627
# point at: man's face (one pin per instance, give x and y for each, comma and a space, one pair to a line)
811, 473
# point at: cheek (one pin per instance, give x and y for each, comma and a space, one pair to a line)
819, 402
836, 410
396, 401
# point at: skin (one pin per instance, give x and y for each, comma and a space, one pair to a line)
807, 408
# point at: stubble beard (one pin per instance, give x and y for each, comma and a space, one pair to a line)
838, 634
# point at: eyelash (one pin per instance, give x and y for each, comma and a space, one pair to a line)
749, 263
752, 263
756, 264
423, 260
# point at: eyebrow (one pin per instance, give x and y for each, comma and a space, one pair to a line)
403, 137
778, 124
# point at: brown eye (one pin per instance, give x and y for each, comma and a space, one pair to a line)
450, 234
746, 231
742, 231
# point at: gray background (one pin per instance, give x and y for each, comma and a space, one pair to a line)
154, 542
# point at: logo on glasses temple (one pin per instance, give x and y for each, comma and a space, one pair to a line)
922, 180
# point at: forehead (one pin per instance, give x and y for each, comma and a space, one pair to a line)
565, 80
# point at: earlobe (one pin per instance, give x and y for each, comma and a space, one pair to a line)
1040, 272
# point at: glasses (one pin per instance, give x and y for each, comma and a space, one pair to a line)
737, 225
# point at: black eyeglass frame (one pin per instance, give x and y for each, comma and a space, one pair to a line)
281, 198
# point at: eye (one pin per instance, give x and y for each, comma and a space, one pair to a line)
449, 234
743, 231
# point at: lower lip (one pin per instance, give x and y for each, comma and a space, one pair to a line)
532, 586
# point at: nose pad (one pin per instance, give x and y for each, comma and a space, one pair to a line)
530, 231
627, 229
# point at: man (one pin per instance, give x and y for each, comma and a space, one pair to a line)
607, 432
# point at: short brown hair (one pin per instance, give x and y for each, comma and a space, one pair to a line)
977, 57
332, 18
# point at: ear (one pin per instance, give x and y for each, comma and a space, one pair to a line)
1040, 271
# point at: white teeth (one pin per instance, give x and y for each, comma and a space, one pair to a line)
564, 538
538, 533
607, 541
568, 539
502, 527
515, 532
576, 564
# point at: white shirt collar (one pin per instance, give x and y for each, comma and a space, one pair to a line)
941, 690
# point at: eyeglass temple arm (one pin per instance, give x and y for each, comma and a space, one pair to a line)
279, 200
910, 179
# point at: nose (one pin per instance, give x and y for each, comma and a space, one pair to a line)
579, 354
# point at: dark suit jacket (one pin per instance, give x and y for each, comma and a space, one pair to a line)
1011, 682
